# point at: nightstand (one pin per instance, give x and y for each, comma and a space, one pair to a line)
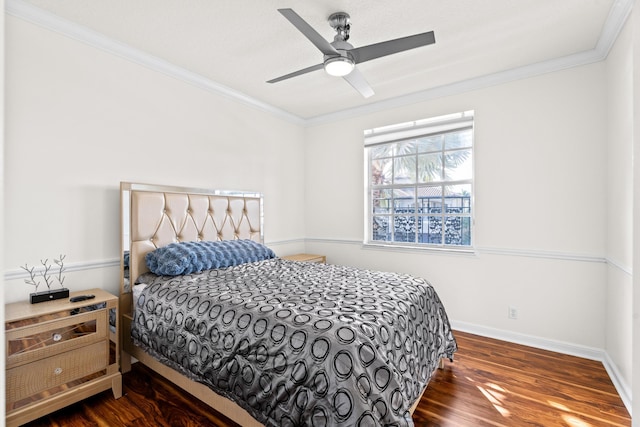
321, 259
58, 353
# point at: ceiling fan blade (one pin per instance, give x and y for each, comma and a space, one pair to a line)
378, 50
357, 80
308, 31
297, 73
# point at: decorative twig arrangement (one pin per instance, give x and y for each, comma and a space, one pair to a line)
45, 273
60, 264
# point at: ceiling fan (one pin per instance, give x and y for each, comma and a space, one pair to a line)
340, 57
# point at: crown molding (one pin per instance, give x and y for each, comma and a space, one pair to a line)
50, 21
463, 86
618, 14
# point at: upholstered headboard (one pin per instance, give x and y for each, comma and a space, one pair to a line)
155, 216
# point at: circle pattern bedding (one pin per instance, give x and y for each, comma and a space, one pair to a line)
299, 344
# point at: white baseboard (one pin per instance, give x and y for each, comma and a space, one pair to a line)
591, 353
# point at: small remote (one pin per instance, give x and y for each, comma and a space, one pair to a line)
81, 298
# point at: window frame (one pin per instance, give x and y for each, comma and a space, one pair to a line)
393, 134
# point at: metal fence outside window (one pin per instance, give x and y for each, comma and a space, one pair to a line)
428, 223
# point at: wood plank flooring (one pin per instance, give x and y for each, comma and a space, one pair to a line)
490, 383
494, 383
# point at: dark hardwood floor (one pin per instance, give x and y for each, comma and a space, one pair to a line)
490, 383
494, 383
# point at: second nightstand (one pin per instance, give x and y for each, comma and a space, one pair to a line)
306, 258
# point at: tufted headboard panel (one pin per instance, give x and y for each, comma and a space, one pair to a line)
155, 216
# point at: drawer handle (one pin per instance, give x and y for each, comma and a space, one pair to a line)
57, 371
57, 337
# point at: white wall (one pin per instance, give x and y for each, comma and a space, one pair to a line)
79, 121
634, 21
619, 225
540, 206
2, 182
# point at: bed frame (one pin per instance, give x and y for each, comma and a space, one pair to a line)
155, 216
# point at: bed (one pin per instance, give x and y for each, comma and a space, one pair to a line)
261, 339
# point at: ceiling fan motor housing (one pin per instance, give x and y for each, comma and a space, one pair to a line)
343, 49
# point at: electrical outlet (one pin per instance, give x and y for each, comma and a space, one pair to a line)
513, 313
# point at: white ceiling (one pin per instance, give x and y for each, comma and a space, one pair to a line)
238, 45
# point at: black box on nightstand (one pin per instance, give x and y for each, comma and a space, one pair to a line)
49, 295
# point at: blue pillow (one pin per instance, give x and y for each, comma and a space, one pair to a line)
190, 257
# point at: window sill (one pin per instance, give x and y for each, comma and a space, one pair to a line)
470, 251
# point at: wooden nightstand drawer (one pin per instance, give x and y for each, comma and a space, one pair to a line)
33, 378
30, 343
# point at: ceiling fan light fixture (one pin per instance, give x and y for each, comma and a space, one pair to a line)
339, 66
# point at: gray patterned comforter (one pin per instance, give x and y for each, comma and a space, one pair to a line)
299, 344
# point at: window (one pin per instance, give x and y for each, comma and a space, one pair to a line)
420, 183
